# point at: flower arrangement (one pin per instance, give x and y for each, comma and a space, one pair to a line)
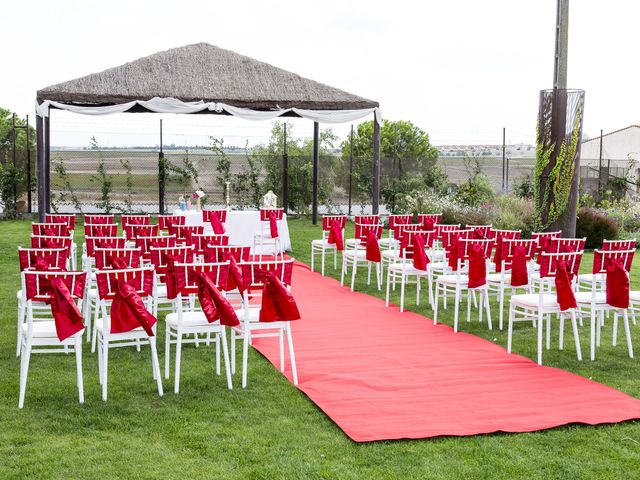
198, 195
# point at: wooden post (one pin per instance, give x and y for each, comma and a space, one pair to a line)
350, 167
40, 167
375, 186
316, 147
47, 162
285, 173
162, 175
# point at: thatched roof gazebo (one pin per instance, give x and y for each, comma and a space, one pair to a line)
202, 78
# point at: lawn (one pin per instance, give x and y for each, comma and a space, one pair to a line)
271, 430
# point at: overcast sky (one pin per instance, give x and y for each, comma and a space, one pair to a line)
461, 70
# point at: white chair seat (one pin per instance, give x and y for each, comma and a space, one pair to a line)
190, 320
585, 297
93, 293
323, 243
138, 332
634, 296
453, 279
532, 300
19, 294
46, 329
390, 254
161, 291
407, 269
496, 277
591, 277
355, 253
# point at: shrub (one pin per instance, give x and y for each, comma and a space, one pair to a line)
514, 213
523, 186
476, 191
595, 226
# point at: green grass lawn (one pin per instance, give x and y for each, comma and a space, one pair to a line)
271, 430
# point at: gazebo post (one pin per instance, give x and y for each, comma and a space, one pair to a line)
285, 172
40, 167
375, 187
316, 145
47, 163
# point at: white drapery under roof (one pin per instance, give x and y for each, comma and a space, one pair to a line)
173, 105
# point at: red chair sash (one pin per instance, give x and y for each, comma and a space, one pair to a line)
564, 292
216, 224
497, 257
617, 287
214, 305
66, 315
452, 253
373, 248
420, 257
519, 273
129, 312
235, 274
335, 235
477, 267
273, 225
277, 302
117, 263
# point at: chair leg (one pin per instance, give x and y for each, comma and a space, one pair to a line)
292, 357
368, 273
233, 351
468, 305
21, 309
488, 309
386, 298
225, 355
344, 266
548, 343
105, 368
403, 280
94, 332
78, 350
323, 256
245, 356
456, 308
576, 335
281, 348
501, 293
435, 306
313, 258
217, 342
540, 328
24, 371
176, 375
593, 334
627, 331
155, 364
167, 351
561, 332
614, 336
510, 327
379, 274
354, 267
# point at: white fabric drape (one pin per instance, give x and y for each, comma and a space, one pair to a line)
173, 105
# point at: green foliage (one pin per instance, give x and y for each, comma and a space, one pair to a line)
20, 187
128, 199
399, 193
10, 178
515, 213
246, 184
595, 226
523, 187
185, 175
223, 165
103, 179
65, 189
477, 190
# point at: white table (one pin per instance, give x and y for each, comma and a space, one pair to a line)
241, 225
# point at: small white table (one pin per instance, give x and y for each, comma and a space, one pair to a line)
241, 225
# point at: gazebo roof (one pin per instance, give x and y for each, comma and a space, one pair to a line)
203, 72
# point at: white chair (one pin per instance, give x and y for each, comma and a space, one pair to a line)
357, 255
556, 245
440, 262
393, 222
535, 307
404, 271
391, 254
459, 281
322, 246
429, 220
251, 327
588, 280
39, 333
595, 300
361, 220
100, 219
263, 237
159, 257
191, 320
142, 280
500, 282
164, 221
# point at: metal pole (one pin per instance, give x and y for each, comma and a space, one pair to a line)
285, 172
29, 208
350, 167
316, 146
375, 186
47, 161
506, 176
40, 167
15, 140
600, 167
161, 174
504, 161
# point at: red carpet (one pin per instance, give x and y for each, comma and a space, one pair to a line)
381, 375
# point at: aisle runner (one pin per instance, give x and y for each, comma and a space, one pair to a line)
382, 375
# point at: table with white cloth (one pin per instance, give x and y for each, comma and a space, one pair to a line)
240, 226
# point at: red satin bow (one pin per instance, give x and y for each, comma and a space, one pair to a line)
67, 317
373, 248
216, 224
564, 292
335, 235
170, 276
452, 253
235, 274
497, 257
116, 263
428, 223
477, 267
214, 305
617, 287
519, 273
273, 225
277, 302
420, 257
128, 311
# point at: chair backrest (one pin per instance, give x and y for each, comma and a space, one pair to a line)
139, 278
505, 234
363, 229
447, 236
132, 231
188, 282
145, 243
165, 220
465, 245
619, 244
101, 230
545, 235
220, 213
184, 231
69, 220
483, 230
135, 220
217, 253
98, 219
400, 229
37, 284
42, 241
253, 273
327, 221
602, 257
158, 256
509, 249
399, 220
105, 256
428, 236
550, 261
266, 212
562, 245
51, 229
55, 257
442, 229
200, 242
103, 242
434, 218
370, 219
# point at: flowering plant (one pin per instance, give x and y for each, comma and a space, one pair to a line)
198, 194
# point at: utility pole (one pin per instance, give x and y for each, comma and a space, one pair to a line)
504, 154
285, 172
350, 167
600, 168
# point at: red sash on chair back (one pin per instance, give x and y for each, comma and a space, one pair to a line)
129, 312
66, 315
617, 287
214, 305
277, 302
216, 224
477, 267
273, 225
564, 292
452, 252
519, 272
335, 235
373, 247
420, 258
235, 274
